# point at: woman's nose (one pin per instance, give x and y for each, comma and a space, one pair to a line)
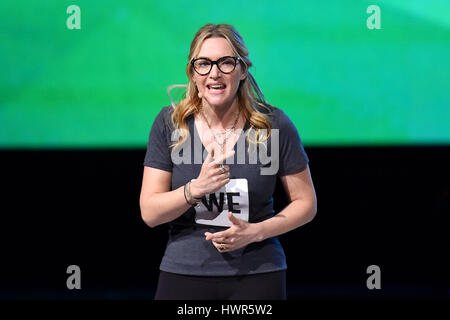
215, 72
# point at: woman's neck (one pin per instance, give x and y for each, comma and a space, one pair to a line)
221, 118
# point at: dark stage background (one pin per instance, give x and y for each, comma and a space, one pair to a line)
386, 206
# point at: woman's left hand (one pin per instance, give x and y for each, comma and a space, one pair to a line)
240, 234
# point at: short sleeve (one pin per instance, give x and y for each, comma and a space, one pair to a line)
158, 151
293, 157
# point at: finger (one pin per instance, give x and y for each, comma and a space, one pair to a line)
224, 171
208, 235
220, 247
217, 235
222, 158
226, 177
211, 236
210, 156
233, 219
223, 247
221, 240
224, 181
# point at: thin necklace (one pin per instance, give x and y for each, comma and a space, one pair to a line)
227, 131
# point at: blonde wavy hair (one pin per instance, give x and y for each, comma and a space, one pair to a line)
250, 97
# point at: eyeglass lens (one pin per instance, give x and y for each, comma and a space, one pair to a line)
225, 64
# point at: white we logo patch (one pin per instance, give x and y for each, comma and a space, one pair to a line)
215, 206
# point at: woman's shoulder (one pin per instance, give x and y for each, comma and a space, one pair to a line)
275, 115
166, 111
163, 117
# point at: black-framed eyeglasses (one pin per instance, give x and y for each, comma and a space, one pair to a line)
225, 64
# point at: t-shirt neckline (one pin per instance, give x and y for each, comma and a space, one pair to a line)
191, 122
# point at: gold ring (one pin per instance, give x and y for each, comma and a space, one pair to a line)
222, 168
222, 247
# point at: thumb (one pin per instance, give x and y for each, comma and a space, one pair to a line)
233, 219
210, 156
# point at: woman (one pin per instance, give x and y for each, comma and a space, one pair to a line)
222, 235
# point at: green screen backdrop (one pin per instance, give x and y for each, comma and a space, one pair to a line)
340, 82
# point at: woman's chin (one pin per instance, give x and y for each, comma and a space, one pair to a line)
216, 101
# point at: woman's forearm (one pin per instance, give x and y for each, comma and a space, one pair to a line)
163, 207
294, 215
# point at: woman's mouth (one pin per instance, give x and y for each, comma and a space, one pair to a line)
216, 88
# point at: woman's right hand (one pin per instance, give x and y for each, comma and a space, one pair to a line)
211, 177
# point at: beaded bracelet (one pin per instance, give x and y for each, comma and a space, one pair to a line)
185, 194
188, 196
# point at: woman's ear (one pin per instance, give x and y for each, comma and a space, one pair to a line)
244, 70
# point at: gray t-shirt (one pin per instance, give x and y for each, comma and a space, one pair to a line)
187, 251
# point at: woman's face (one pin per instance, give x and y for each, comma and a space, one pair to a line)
224, 95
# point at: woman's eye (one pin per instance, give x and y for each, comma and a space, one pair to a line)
228, 61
